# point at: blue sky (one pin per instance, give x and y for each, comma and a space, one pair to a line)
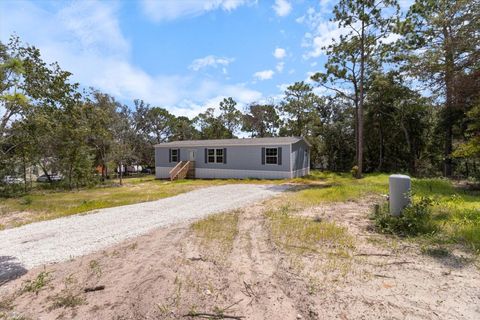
184, 55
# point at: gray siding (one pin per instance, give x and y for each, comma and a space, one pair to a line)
300, 159
238, 157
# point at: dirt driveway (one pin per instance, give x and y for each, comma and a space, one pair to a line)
186, 272
62, 239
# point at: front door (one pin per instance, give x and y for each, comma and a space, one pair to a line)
191, 155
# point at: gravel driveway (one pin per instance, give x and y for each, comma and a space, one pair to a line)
61, 239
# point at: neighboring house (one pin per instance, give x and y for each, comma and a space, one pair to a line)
263, 158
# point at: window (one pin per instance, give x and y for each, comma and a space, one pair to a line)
271, 155
211, 155
174, 155
215, 155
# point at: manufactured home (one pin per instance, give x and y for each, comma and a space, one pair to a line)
261, 158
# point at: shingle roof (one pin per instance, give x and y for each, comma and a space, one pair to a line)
231, 142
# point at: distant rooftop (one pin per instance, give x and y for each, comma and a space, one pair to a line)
231, 142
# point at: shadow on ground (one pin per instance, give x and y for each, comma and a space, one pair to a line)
10, 269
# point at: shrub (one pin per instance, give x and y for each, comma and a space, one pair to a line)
26, 201
38, 283
354, 171
414, 220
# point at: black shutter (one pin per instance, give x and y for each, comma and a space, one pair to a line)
169, 155
279, 151
224, 155
206, 151
178, 155
263, 155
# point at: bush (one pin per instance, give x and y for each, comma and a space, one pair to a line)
414, 220
354, 171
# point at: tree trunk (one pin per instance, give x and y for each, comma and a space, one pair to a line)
360, 103
449, 73
121, 173
381, 149
24, 173
412, 163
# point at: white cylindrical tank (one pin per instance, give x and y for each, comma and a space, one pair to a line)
399, 193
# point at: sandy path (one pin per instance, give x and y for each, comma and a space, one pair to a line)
171, 271
61, 239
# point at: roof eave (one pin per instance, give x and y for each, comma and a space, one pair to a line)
228, 145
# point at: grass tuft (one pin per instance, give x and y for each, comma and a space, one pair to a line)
67, 299
37, 284
302, 234
340, 187
218, 230
416, 219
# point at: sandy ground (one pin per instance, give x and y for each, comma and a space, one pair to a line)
170, 273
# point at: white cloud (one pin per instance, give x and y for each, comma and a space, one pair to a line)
282, 7
264, 75
323, 31
210, 61
165, 10
280, 66
94, 26
279, 53
85, 39
326, 33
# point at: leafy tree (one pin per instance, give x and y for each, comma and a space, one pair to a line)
154, 122
230, 116
443, 40
124, 150
101, 116
151, 125
398, 123
299, 108
12, 97
471, 148
333, 136
261, 120
13, 102
183, 129
210, 126
357, 54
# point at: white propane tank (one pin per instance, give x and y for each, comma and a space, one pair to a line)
399, 193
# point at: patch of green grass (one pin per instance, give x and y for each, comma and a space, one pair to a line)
95, 268
51, 204
330, 187
218, 230
37, 284
66, 299
456, 213
416, 219
303, 234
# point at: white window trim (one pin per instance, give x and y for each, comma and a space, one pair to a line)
176, 155
276, 162
215, 155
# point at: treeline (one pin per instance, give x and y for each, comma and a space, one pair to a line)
401, 93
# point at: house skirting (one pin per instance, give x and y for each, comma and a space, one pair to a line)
209, 173
162, 172
300, 172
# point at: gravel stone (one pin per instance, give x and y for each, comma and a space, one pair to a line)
61, 239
